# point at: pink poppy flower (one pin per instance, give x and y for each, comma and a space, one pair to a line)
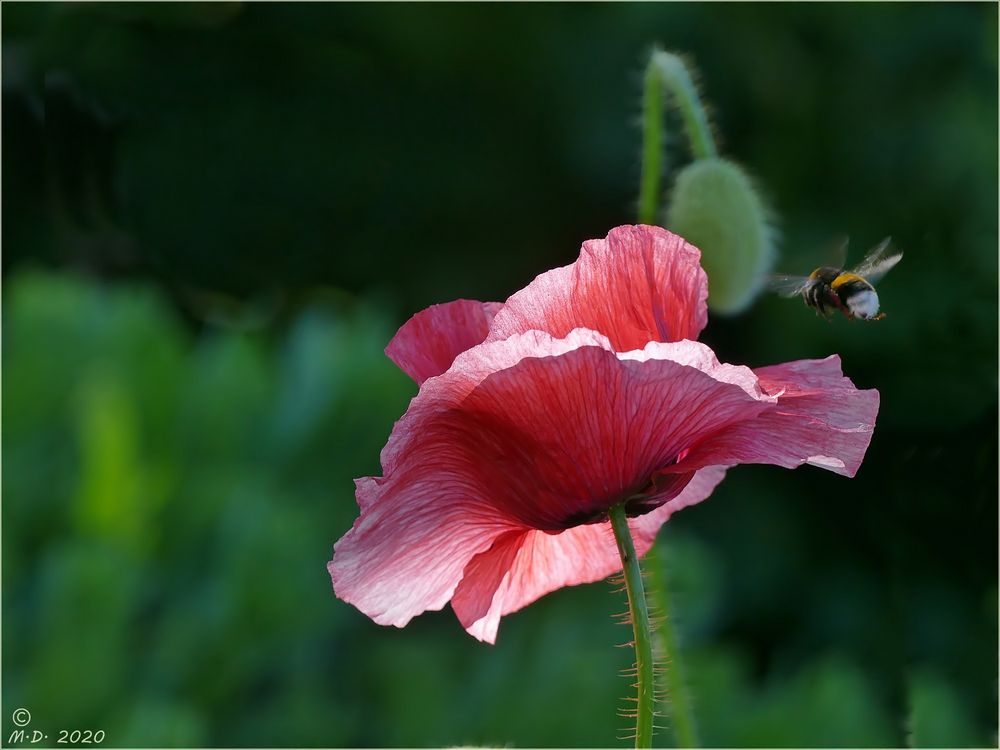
583, 390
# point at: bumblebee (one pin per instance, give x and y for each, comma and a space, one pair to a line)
831, 288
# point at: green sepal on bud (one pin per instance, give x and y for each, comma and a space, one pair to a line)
716, 208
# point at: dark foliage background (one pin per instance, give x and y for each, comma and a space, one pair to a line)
214, 218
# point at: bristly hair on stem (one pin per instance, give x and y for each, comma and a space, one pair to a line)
668, 681
644, 708
675, 693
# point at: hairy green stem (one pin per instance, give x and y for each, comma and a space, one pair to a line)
667, 73
646, 705
681, 712
677, 80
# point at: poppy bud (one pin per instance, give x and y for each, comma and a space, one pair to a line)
716, 208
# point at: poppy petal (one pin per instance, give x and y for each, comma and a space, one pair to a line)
563, 430
820, 418
417, 531
439, 503
524, 566
468, 370
427, 344
588, 428
640, 284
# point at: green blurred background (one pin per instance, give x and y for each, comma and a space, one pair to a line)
215, 218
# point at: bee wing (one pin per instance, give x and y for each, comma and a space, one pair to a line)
838, 253
787, 286
877, 262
